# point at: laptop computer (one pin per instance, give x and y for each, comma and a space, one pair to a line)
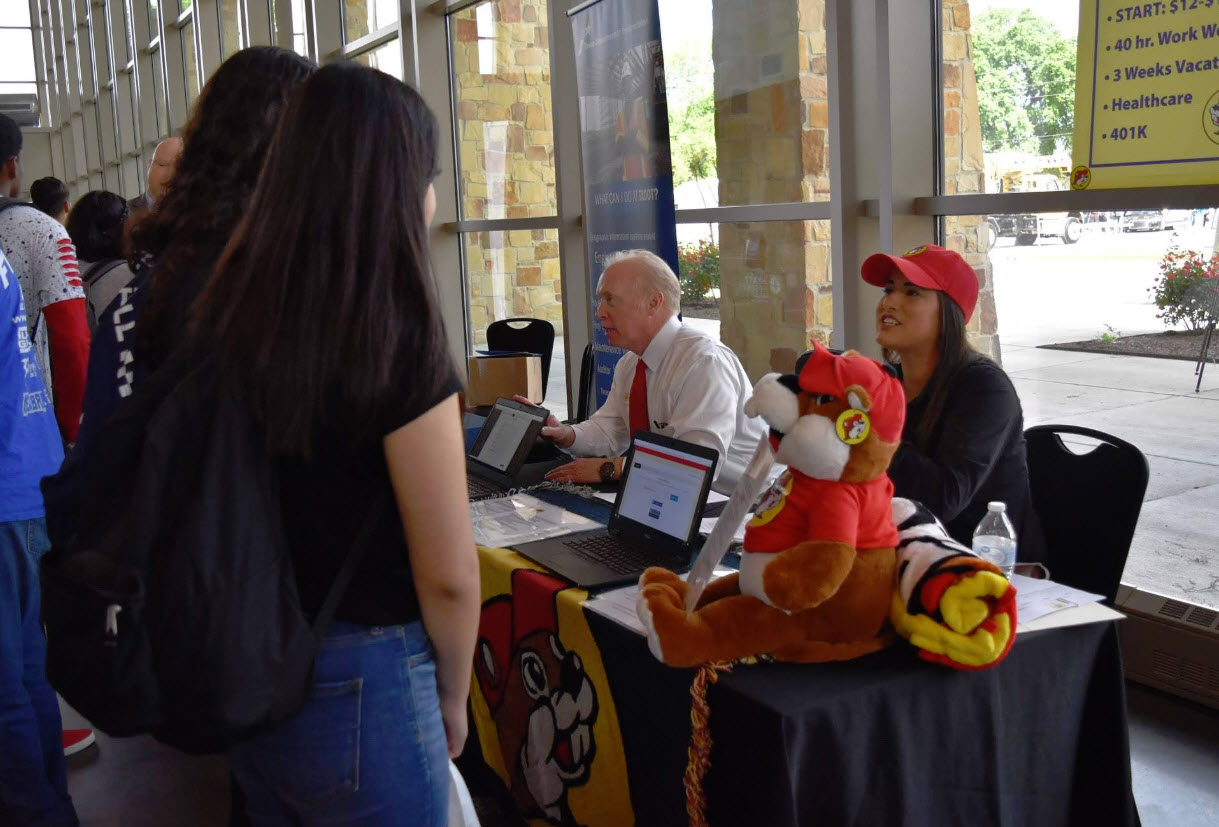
504, 446
654, 522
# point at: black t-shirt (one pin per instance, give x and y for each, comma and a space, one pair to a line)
325, 501
975, 455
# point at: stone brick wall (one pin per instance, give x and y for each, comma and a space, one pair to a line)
963, 168
771, 127
771, 131
506, 155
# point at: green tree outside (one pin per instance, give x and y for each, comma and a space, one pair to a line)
1025, 70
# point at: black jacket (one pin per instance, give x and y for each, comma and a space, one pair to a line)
975, 455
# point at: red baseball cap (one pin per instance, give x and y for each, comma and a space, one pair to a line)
930, 267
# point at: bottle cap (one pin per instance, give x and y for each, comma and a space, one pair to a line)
997, 505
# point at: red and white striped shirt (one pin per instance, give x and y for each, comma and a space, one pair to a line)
41, 253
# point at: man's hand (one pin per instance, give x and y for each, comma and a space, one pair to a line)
563, 435
582, 470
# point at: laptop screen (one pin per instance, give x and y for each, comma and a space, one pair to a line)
664, 488
507, 435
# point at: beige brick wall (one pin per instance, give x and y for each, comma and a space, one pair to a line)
506, 155
963, 168
771, 127
771, 131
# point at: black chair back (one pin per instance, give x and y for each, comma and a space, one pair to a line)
1088, 504
533, 336
585, 393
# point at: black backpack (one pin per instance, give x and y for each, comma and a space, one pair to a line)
168, 595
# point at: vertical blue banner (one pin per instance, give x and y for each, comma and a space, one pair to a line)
624, 137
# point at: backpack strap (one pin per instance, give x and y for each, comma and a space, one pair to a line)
343, 579
99, 269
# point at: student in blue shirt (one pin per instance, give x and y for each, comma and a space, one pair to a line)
33, 776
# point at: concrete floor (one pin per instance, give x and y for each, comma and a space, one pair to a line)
1150, 403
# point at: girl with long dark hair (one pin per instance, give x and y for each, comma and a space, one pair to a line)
963, 441
322, 315
175, 246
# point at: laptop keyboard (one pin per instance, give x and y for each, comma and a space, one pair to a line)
618, 557
480, 489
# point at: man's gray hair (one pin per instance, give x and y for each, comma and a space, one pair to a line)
654, 274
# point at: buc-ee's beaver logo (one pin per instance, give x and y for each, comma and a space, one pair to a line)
540, 697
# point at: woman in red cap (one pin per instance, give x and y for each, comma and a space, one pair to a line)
963, 441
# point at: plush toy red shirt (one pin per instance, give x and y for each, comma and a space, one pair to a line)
799, 508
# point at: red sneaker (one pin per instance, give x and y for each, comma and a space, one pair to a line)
74, 740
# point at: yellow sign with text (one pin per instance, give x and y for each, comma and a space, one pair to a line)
1146, 94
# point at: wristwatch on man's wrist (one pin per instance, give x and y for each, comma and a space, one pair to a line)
608, 471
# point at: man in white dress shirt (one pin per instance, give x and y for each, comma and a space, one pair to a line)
695, 388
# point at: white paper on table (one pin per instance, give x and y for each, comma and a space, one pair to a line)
619, 604
1038, 598
521, 518
1075, 616
713, 497
708, 523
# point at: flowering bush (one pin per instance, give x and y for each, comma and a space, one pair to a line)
1187, 289
699, 269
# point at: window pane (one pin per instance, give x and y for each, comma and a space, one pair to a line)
360, 17
501, 76
1077, 321
231, 34
92, 145
387, 58
1009, 94
297, 15
748, 102
153, 22
126, 87
105, 102
183, 5
14, 88
763, 288
17, 55
123, 21
516, 274
190, 61
158, 88
15, 13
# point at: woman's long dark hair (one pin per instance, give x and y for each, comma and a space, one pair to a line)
95, 225
223, 147
322, 309
954, 354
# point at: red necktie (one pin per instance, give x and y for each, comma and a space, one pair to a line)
639, 398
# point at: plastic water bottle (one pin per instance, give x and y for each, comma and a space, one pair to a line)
995, 539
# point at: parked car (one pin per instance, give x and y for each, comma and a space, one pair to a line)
1028, 227
1152, 220
1000, 226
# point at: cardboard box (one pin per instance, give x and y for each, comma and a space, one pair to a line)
504, 375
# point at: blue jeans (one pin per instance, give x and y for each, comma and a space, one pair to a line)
33, 775
367, 748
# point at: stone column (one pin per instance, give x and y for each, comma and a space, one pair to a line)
771, 131
964, 171
506, 152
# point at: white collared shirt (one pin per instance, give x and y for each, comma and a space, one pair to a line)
697, 390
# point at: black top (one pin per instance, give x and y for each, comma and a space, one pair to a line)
975, 455
325, 501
